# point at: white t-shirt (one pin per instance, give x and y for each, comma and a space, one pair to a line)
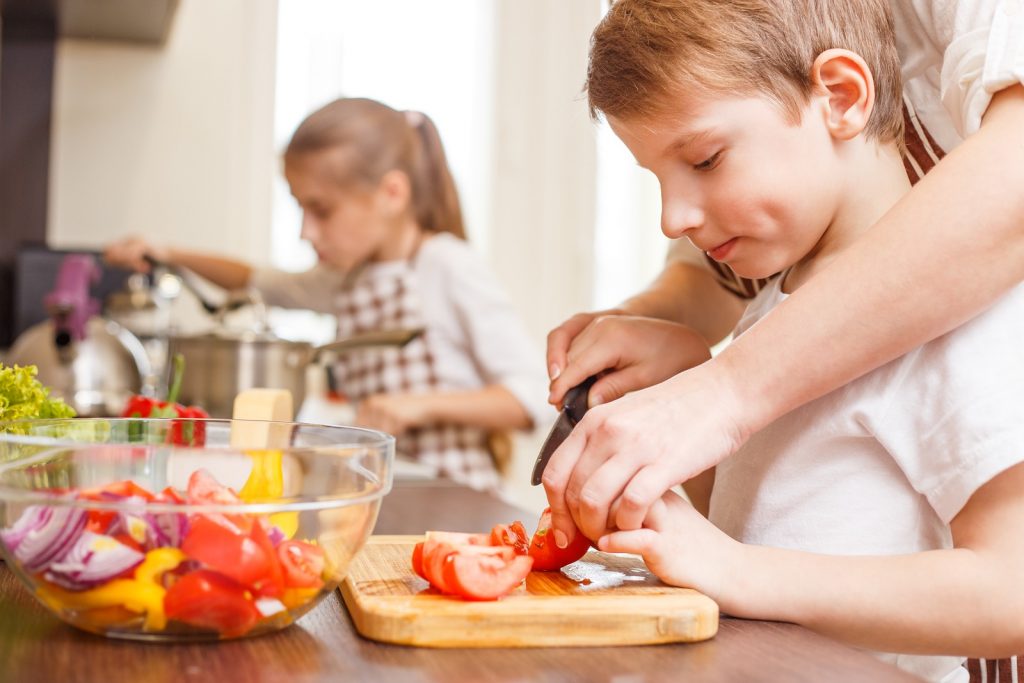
480, 340
955, 54
881, 465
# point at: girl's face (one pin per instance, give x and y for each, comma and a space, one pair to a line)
347, 224
739, 180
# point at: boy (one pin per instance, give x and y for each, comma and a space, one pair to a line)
886, 514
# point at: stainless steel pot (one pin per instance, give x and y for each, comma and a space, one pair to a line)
218, 366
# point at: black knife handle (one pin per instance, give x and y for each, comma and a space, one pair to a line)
575, 403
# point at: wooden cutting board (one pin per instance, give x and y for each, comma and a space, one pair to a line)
601, 600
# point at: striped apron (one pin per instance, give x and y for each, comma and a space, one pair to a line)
383, 297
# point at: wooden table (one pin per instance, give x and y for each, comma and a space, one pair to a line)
324, 645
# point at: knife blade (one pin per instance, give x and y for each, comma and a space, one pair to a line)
574, 405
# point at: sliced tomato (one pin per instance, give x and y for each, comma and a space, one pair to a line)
210, 600
303, 564
435, 554
512, 535
547, 556
417, 561
240, 557
485, 576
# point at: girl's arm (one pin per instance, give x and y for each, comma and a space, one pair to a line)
964, 601
132, 253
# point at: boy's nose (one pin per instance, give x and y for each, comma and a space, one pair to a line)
308, 231
678, 217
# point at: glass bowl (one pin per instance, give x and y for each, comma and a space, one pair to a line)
172, 529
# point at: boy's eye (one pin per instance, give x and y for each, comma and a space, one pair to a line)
709, 163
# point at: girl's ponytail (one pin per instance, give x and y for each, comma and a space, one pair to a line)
435, 198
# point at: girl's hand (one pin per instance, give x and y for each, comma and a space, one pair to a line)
629, 452
630, 352
681, 547
393, 413
131, 253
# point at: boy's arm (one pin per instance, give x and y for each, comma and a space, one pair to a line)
967, 600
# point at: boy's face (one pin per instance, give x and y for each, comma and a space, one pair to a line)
739, 180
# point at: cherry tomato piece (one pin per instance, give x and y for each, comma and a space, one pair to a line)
512, 535
303, 564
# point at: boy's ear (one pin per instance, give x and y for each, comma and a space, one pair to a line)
844, 80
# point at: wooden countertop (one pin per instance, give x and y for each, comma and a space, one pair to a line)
324, 646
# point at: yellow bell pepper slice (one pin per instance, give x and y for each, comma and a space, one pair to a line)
144, 593
266, 482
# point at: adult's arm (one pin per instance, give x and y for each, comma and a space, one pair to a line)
942, 254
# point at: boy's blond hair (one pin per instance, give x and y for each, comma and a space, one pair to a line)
645, 53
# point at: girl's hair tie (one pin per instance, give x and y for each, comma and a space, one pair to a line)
413, 118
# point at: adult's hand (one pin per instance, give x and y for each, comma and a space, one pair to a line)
628, 353
561, 338
625, 454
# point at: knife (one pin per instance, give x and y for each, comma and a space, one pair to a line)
574, 405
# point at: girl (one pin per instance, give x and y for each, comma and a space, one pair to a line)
381, 210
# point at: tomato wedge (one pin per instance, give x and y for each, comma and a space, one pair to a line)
484, 576
547, 556
240, 557
210, 600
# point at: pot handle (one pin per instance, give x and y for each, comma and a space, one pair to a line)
398, 338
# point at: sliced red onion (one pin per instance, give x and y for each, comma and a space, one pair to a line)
275, 535
93, 560
33, 519
45, 534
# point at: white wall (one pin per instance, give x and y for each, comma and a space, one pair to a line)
173, 142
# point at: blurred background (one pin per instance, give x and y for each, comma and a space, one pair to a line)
166, 119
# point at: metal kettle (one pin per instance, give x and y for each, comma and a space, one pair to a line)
92, 363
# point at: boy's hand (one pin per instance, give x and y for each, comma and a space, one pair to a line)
680, 546
393, 413
629, 452
633, 352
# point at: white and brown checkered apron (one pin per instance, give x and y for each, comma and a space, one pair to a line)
920, 155
384, 297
